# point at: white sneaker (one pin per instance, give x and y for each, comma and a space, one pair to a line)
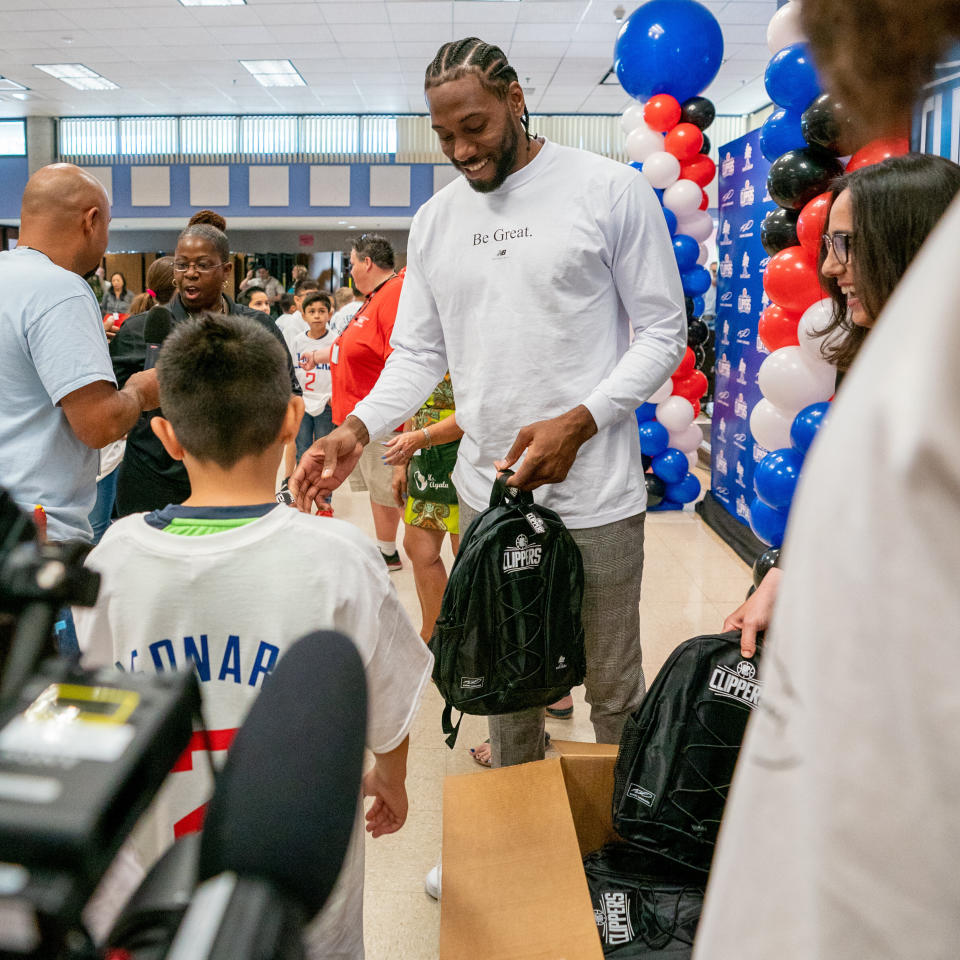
432, 882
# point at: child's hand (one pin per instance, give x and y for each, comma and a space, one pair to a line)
388, 812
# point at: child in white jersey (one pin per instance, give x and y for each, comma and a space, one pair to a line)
224, 598
316, 383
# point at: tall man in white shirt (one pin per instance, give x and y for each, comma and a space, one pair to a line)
525, 278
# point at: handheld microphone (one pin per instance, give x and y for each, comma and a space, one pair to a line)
158, 324
280, 820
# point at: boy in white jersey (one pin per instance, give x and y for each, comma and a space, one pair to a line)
316, 383
223, 597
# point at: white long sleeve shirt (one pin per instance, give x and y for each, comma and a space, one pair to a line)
560, 288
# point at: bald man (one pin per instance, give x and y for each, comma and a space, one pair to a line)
59, 402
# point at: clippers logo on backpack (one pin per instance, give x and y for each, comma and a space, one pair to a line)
737, 684
523, 556
613, 918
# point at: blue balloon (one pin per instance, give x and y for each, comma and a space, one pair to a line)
775, 478
646, 411
666, 505
806, 424
638, 166
653, 438
671, 466
780, 134
695, 281
686, 490
699, 305
671, 219
686, 250
768, 524
791, 79
659, 191
668, 46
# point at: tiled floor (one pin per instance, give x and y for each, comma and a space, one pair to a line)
691, 581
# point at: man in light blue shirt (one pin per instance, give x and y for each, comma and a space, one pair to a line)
59, 401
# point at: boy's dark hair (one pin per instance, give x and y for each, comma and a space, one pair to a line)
224, 386
286, 302
378, 248
319, 296
307, 283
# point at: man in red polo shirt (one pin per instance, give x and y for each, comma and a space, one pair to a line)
356, 361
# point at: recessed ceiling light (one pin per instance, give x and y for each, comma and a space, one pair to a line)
24, 96
7, 84
213, 3
274, 73
77, 75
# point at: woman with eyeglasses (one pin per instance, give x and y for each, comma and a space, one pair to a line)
879, 218
149, 478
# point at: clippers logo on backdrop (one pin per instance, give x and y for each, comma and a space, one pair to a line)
761, 347
641, 794
722, 431
743, 510
524, 556
727, 199
746, 229
726, 267
745, 267
744, 305
747, 194
613, 918
740, 684
740, 481
725, 240
725, 333
727, 166
727, 299
759, 453
723, 366
720, 462
740, 441
747, 162
742, 372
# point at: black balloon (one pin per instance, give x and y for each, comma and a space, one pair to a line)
646, 461
700, 358
763, 563
656, 489
697, 333
826, 126
705, 149
799, 175
779, 230
699, 111
688, 304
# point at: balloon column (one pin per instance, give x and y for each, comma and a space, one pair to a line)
667, 52
804, 139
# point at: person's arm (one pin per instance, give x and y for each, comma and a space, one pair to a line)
385, 782
313, 358
755, 613
99, 413
402, 446
644, 272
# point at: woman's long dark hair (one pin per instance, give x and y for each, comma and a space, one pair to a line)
896, 204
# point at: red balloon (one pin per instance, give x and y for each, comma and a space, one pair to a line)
700, 169
687, 364
683, 141
778, 328
812, 223
877, 150
696, 409
704, 200
662, 113
691, 387
792, 280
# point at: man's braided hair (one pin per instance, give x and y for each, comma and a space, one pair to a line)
472, 55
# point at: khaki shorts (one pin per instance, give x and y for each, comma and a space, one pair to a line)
372, 474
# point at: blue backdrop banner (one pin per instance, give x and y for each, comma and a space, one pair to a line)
936, 123
744, 202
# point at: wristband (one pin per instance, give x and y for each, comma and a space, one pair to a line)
426, 436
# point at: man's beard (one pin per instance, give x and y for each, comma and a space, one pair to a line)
509, 150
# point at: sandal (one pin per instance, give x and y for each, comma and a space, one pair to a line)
487, 762
556, 712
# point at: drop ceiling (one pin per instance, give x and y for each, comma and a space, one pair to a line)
358, 56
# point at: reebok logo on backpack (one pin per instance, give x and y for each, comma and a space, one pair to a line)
509, 634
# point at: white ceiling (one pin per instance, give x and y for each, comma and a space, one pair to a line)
357, 56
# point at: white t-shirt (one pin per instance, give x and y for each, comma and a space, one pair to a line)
231, 603
841, 837
528, 296
52, 343
291, 326
316, 384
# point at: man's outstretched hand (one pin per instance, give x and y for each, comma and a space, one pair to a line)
327, 464
549, 448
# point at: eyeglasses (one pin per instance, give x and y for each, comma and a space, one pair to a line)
203, 266
840, 242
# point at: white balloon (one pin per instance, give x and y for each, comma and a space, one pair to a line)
698, 224
784, 27
661, 393
682, 197
770, 425
817, 317
790, 382
675, 413
661, 169
689, 440
693, 459
642, 142
704, 255
632, 117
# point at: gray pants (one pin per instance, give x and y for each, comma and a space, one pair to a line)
612, 570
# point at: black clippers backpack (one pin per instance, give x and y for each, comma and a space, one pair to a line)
678, 751
509, 634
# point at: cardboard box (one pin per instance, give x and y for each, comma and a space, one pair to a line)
513, 845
